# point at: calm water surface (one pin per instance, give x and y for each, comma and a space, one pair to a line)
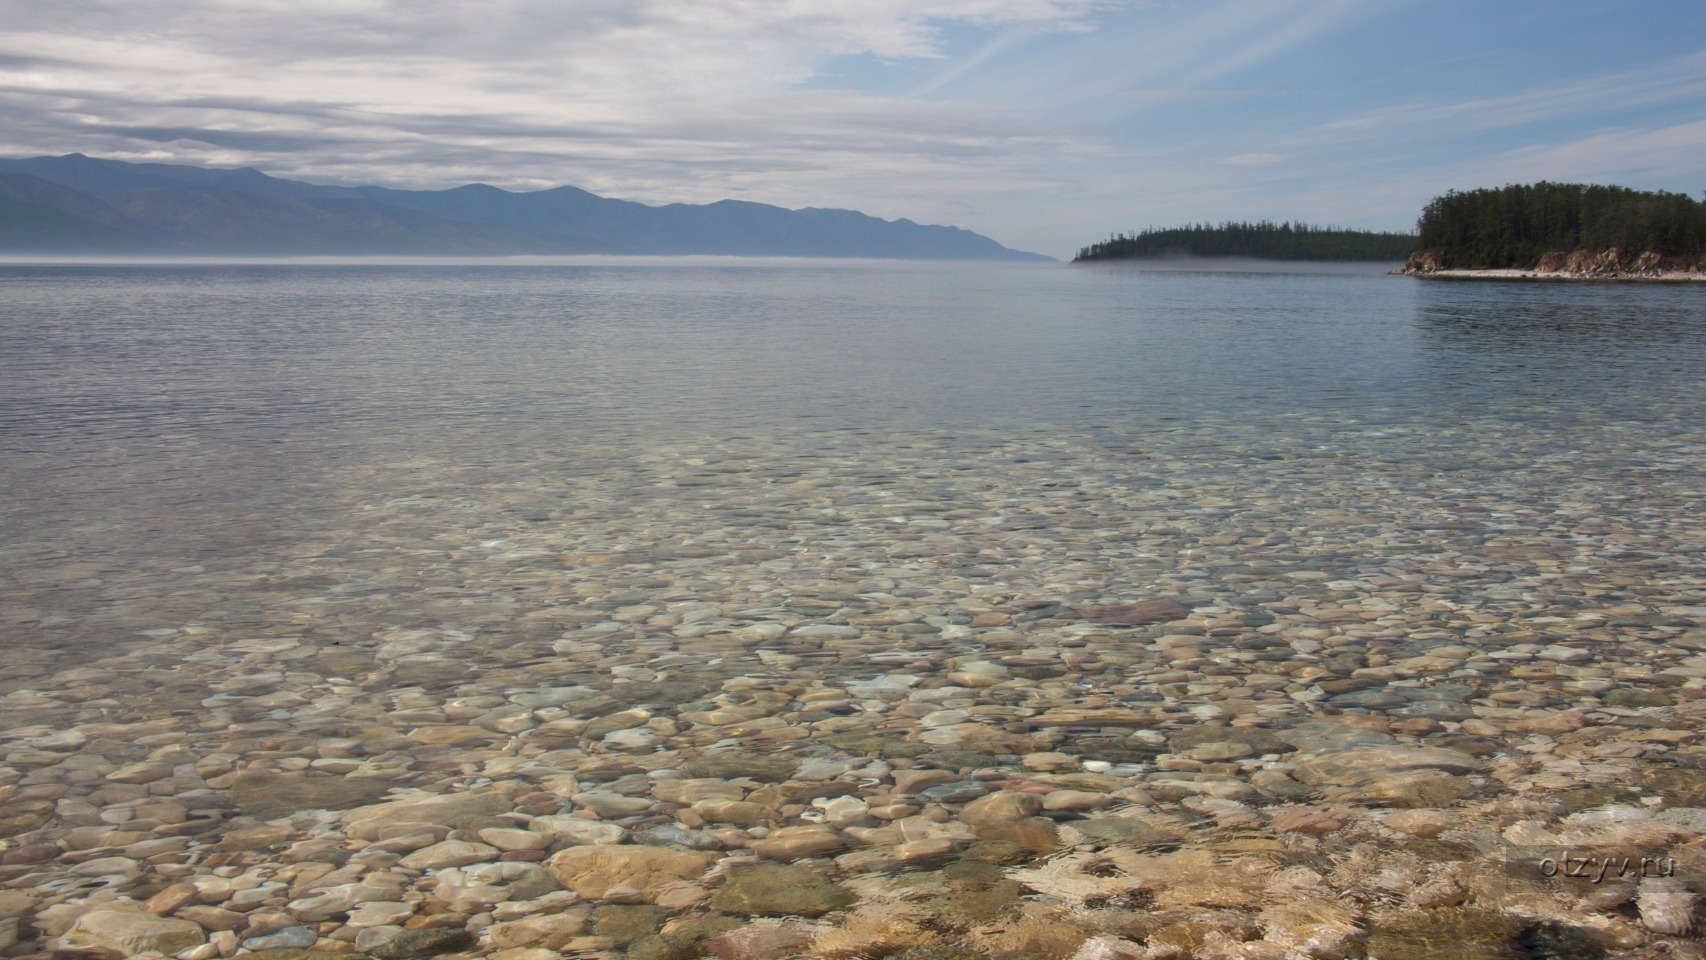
160, 423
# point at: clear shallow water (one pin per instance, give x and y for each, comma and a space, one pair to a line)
1200, 558
159, 418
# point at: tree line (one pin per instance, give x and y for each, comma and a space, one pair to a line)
1264, 239
1512, 227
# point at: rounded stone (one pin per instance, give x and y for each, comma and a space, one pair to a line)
131, 932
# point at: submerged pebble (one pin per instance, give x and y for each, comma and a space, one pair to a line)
1288, 686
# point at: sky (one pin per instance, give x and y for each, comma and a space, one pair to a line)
1046, 124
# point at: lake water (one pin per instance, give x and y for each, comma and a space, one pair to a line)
371, 503
170, 415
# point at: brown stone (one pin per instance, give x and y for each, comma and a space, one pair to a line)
77, 953
268, 796
1550, 723
1402, 788
1333, 768
1420, 823
40, 791
163, 811
455, 810
253, 838
30, 853
1311, 820
16, 903
798, 843
779, 890
1006, 806
592, 871
741, 813
588, 946
213, 918
170, 899
1365, 721
764, 940
1008, 817
551, 931
1094, 717
800, 791
132, 931
1037, 834
917, 781
448, 734
1136, 614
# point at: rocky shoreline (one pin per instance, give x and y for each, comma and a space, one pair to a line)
1608, 265
1230, 693
1663, 276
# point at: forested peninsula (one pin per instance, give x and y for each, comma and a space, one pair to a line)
1561, 230
1264, 240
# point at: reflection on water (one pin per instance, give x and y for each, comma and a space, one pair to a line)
1556, 349
243, 352
161, 415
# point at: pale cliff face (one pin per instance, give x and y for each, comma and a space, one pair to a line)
1576, 263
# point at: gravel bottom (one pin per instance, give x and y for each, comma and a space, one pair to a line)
1298, 688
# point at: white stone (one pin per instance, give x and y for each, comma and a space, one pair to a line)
578, 832
338, 899
380, 913
825, 631
450, 853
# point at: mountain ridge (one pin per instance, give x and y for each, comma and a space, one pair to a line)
89, 205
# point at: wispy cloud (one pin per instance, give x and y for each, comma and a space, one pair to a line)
1670, 153
1282, 27
1677, 80
1151, 53
994, 48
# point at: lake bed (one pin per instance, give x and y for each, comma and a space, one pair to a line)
846, 610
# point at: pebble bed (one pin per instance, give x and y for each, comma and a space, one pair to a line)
1296, 688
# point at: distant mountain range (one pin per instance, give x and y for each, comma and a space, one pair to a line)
78, 205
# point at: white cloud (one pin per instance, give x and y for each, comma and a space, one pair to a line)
1041, 119
607, 93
